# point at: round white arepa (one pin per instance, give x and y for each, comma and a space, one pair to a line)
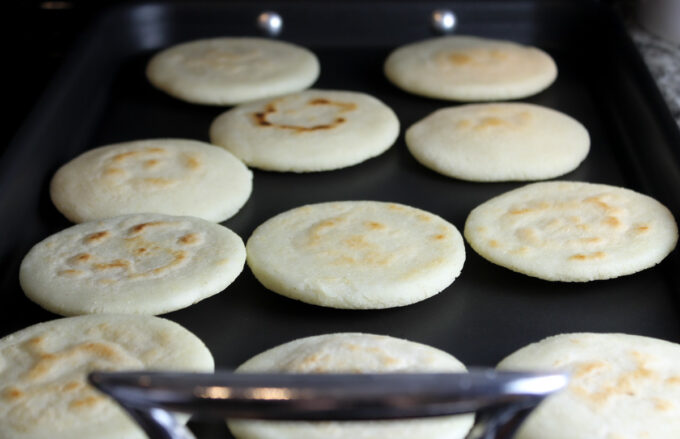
356, 254
170, 176
498, 142
313, 130
132, 264
232, 70
353, 353
44, 393
572, 231
464, 68
621, 387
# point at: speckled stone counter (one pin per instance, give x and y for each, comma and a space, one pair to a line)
663, 59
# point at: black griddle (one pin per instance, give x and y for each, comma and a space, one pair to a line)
101, 96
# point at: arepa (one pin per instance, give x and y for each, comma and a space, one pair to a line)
169, 176
621, 387
356, 254
353, 353
313, 130
572, 231
232, 70
132, 264
498, 142
44, 393
465, 68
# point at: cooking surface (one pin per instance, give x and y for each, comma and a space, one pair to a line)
102, 96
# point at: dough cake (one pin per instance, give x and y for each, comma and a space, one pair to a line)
356, 254
44, 392
314, 130
621, 387
353, 353
498, 142
572, 231
227, 71
132, 264
170, 176
464, 68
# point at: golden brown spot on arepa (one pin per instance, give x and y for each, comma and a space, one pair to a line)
351, 347
489, 122
355, 241
155, 150
151, 163
612, 221
178, 256
459, 59
189, 238
99, 350
71, 386
587, 257
36, 341
642, 228
124, 156
528, 234
70, 273
663, 404
465, 123
80, 258
262, 118
87, 402
115, 264
493, 243
587, 368
143, 226
193, 162
439, 237
12, 393
374, 225
590, 240
498, 54
97, 237
521, 211
158, 181
112, 172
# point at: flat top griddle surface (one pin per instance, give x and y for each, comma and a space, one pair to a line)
102, 96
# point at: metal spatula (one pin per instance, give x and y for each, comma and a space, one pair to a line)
501, 399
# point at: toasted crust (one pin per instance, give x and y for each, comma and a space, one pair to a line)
356, 254
314, 130
353, 353
43, 373
463, 68
227, 71
169, 176
498, 142
572, 231
133, 264
621, 386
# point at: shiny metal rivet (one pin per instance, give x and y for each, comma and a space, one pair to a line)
270, 23
444, 21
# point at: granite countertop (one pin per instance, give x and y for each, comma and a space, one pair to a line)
663, 59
